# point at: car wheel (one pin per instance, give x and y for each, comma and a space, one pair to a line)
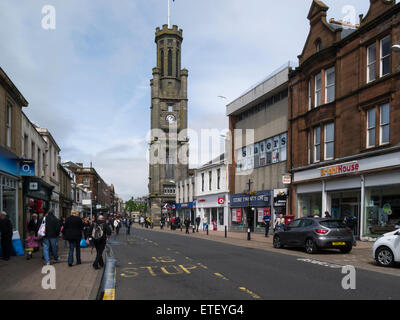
277, 242
384, 257
346, 249
311, 247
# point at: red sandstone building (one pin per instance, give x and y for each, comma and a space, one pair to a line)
344, 120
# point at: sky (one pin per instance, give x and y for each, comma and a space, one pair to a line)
88, 80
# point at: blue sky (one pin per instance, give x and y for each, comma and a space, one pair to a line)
88, 80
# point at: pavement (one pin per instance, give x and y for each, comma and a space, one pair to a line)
21, 279
360, 256
163, 265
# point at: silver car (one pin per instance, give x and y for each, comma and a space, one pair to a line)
314, 234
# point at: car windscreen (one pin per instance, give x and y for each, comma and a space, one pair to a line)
332, 224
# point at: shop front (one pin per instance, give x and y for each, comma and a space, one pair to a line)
214, 209
184, 210
248, 212
36, 198
367, 189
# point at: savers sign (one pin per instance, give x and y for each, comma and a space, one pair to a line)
340, 169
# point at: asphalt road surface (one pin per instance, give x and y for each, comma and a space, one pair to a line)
165, 266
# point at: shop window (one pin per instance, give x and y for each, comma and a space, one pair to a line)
382, 210
384, 124
283, 147
275, 150
309, 95
309, 205
371, 63
269, 151
221, 216
9, 124
371, 123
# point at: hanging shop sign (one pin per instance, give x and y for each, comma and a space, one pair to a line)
280, 197
27, 168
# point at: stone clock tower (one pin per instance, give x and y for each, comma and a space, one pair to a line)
169, 143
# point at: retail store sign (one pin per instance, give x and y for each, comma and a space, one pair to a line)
340, 169
33, 186
221, 200
286, 180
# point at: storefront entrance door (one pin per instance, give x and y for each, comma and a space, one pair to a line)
345, 203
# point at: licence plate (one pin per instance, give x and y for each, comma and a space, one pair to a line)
338, 243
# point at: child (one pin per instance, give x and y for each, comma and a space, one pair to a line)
31, 244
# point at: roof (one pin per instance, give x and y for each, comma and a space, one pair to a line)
13, 90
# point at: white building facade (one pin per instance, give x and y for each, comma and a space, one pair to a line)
212, 194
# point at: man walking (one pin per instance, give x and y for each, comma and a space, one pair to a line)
50, 240
128, 226
72, 232
6, 230
197, 223
99, 234
162, 221
267, 221
187, 224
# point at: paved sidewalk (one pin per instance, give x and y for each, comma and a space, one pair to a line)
21, 279
360, 256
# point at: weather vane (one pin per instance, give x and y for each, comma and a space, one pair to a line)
169, 13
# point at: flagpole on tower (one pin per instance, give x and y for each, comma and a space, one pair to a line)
169, 14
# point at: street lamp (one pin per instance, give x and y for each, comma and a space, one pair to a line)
396, 48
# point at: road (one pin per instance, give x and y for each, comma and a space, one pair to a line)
166, 266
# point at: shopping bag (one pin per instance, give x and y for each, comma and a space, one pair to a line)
42, 229
83, 243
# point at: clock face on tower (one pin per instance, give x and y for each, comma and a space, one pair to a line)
170, 118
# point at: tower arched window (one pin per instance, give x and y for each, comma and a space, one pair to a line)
162, 62
318, 45
177, 63
170, 63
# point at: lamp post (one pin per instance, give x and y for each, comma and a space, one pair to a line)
249, 212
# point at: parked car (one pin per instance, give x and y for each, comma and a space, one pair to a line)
386, 249
314, 234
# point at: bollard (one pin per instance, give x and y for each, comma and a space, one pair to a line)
207, 229
248, 234
226, 232
194, 229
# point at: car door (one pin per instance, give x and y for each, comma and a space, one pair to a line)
396, 246
304, 229
291, 232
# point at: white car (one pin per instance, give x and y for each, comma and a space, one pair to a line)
386, 249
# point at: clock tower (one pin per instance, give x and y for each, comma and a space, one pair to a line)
169, 144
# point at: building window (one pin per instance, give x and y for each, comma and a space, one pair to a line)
329, 141
170, 63
219, 179
170, 109
202, 182
309, 147
330, 85
283, 146
33, 151
317, 144
385, 56
26, 141
318, 45
162, 62
8, 124
209, 180
384, 124
371, 123
309, 95
86, 182
371, 63
318, 86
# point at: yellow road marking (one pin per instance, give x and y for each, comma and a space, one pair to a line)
109, 294
150, 270
186, 269
179, 271
202, 265
221, 276
255, 296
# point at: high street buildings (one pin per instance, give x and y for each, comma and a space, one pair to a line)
258, 123
344, 117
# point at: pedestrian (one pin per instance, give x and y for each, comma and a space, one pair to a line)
62, 228
99, 234
72, 232
33, 224
205, 223
178, 222
267, 221
128, 226
50, 239
86, 227
6, 230
279, 222
31, 243
173, 226
162, 221
327, 214
187, 224
351, 221
198, 223
116, 225
142, 221
148, 222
